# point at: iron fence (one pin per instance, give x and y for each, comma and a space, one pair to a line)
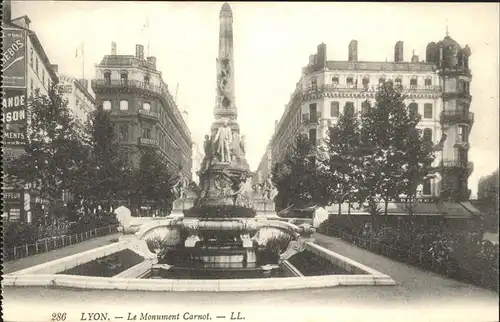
52, 243
481, 272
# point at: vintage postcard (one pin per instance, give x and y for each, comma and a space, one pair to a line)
249, 161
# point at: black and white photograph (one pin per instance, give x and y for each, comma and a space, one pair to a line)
250, 161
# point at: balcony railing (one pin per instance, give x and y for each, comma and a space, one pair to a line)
457, 116
307, 118
367, 88
457, 164
147, 113
146, 141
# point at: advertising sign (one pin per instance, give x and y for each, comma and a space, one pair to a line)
14, 58
14, 117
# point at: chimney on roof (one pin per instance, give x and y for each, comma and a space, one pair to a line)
55, 68
113, 48
312, 59
414, 58
139, 51
398, 52
7, 12
152, 61
321, 56
353, 51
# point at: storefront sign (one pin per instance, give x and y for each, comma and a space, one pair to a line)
14, 117
14, 58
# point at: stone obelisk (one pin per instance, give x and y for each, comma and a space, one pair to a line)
224, 171
225, 105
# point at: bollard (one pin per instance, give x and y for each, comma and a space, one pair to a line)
15, 253
27, 251
36, 247
95, 232
46, 245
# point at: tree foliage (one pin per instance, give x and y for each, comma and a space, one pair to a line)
378, 155
298, 179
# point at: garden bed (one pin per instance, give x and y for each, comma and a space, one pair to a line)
107, 266
310, 264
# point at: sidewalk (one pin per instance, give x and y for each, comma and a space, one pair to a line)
22, 263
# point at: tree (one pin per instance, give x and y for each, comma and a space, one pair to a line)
345, 158
300, 179
105, 177
153, 181
53, 147
399, 157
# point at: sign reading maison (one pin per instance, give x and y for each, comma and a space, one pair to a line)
14, 116
14, 58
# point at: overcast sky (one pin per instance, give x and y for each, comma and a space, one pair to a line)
272, 43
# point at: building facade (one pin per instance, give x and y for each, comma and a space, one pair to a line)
27, 72
264, 170
437, 88
142, 108
81, 102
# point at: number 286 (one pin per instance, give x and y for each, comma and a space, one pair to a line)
59, 316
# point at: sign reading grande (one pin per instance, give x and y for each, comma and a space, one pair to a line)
14, 58
14, 117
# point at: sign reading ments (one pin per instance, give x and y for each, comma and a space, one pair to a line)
14, 117
14, 56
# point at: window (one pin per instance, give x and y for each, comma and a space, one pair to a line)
427, 111
365, 107
333, 133
31, 87
462, 134
312, 136
462, 156
107, 77
147, 78
314, 83
49, 84
413, 108
426, 189
31, 57
146, 131
381, 80
427, 135
146, 106
334, 109
124, 77
123, 131
366, 82
413, 82
349, 108
123, 105
350, 80
43, 77
428, 82
313, 115
106, 105
335, 80
398, 81
36, 65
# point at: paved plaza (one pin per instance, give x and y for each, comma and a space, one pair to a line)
415, 288
22, 263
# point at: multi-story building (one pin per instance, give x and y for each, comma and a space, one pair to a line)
265, 167
27, 71
81, 102
197, 161
142, 108
437, 88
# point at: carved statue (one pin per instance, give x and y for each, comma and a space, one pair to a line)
242, 145
207, 159
179, 188
267, 187
223, 82
223, 139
